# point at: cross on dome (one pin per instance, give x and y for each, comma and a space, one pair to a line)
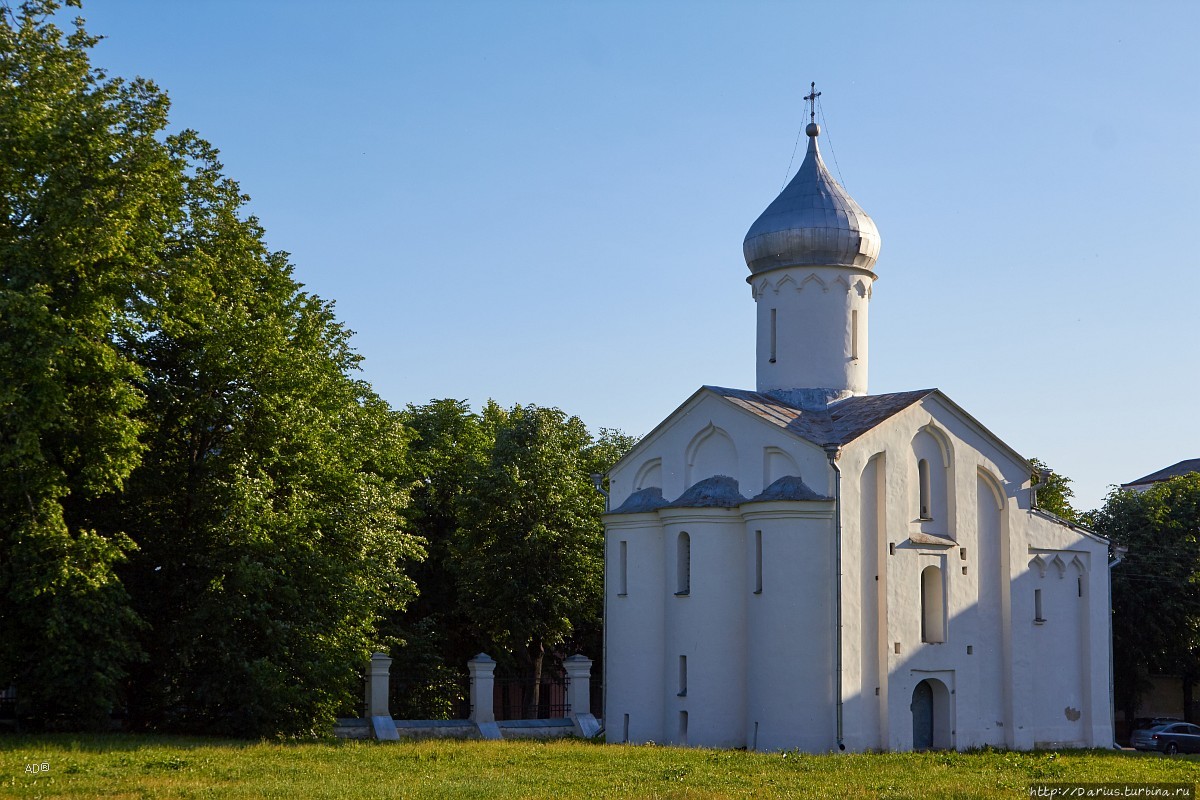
811, 97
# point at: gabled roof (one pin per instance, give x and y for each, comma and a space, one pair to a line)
837, 423
1173, 471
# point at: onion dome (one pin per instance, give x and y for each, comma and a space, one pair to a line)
812, 223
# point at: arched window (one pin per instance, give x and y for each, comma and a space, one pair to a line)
932, 606
923, 480
683, 571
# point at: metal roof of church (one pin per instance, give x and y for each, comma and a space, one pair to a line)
837, 423
1173, 471
813, 222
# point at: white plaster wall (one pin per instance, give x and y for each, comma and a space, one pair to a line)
814, 335
634, 627
984, 622
789, 627
767, 658
864, 590
1057, 689
1064, 662
993, 701
707, 626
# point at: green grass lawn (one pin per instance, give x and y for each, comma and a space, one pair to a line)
159, 766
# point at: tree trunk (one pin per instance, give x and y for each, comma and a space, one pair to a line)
537, 655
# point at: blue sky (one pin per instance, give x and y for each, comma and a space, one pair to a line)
544, 202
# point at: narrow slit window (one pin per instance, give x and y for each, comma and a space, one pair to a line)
624, 582
1037, 606
1079, 585
683, 676
923, 481
854, 333
774, 334
625, 729
758, 562
683, 727
684, 564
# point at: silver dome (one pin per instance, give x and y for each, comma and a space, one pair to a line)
813, 222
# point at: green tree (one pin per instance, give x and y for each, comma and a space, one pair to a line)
87, 190
269, 506
190, 477
607, 448
1054, 492
1156, 590
528, 555
450, 448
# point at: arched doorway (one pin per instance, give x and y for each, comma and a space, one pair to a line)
922, 714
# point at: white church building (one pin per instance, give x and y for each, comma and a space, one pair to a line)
807, 565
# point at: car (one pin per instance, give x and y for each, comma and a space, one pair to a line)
1145, 723
1169, 738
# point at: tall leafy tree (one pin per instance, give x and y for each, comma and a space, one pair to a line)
269, 506
1156, 590
193, 485
87, 190
451, 446
528, 554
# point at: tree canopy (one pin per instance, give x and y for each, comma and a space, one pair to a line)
506, 501
1054, 491
87, 194
1156, 590
207, 521
201, 510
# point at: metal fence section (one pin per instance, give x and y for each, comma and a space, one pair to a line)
8, 707
514, 697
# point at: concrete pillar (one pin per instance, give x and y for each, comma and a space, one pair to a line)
579, 689
377, 685
483, 679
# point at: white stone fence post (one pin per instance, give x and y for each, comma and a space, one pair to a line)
483, 680
579, 695
378, 690
579, 684
377, 685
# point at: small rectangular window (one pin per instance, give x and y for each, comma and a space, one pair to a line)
683, 676
625, 729
758, 562
683, 727
774, 337
1037, 606
623, 584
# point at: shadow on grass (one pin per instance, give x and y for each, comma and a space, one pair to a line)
115, 742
